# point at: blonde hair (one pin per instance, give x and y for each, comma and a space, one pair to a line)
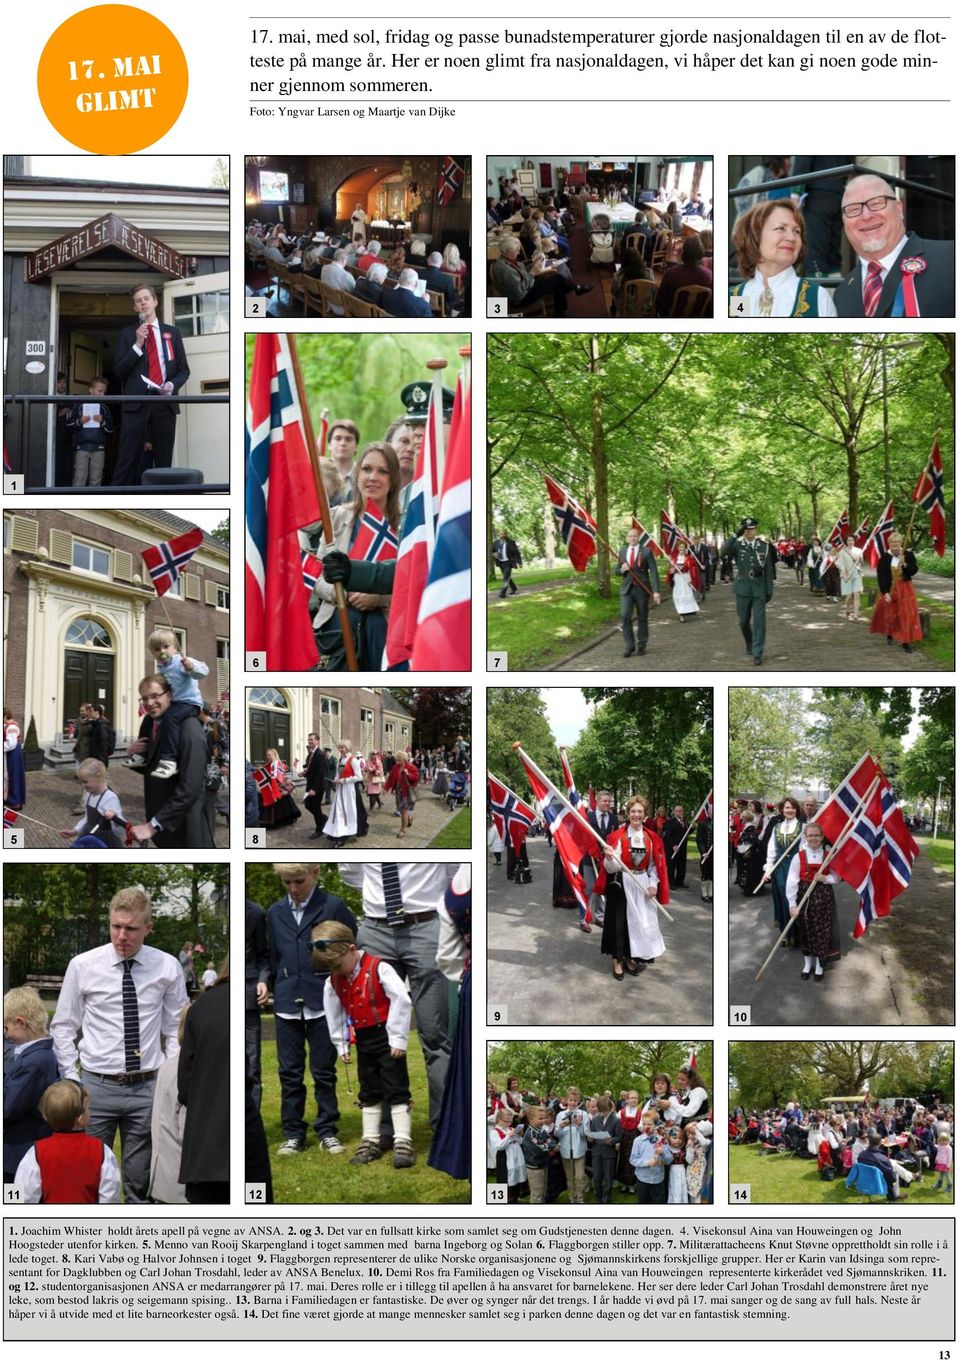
62, 1104
161, 637
638, 798
25, 1003
339, 938
295, 870
451, 255
134, 900
92, 769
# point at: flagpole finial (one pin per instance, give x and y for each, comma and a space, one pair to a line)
464, 351
436, 363
515, 746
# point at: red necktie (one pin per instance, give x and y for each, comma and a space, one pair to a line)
872, 287
154, 371
633, 556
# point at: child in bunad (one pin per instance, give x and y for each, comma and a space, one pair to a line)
677, 1179
71, 1166
649, 1156
943, 1165
570, 1130
504, 1155
699, 1138
629, 1128
365, 992
181, 674
817, 922
102, 813
538, 1146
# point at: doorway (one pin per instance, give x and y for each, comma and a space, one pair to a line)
269, 724
88, 669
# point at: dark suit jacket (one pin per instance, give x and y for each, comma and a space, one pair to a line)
934, 285
130, 367
673, 830
180, 809
24, 1081
645, 567
313, 771
295, 981
513, 552
593, 817
203, 1086
403, 302
439, 282
256, 966
369, 292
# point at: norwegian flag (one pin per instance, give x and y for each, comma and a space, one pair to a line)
167, 560
413, 556
268, 786
692, 1058
511, 817
312, 570
592, 799
571, 787
879, 858
442, 641
862, 534
705, 809
645, 540
281, 496
375, 541
577, 528
9, 816
877, 542
840, 531
572, 840
928, 494
449, 181
671, 535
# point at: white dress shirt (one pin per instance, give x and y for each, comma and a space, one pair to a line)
885, 262
158, 337
398, 1016
793, 877
27, 1177
783, 286
305, 1012
422, 886
91, 1001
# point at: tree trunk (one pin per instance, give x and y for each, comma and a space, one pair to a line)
815, 508
599, 460
853, 477
549, 537
886, 439
491, 536
195, 901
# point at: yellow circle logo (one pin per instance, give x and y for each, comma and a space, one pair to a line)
112, 79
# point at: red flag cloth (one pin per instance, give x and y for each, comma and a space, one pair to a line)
645, 540
268, 786
592, 799
839, 532
280, 497
511, 817
166, 561
449, 181
375, 541
413, 560
571, 787
572, 840
576, 526
928, 493
877, 542
706, 808
671, 535
862, 534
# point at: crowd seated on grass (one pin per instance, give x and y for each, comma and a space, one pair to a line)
902, 1140
542, 252
358, 270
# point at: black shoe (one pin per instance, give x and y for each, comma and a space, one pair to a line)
514, 590
628, 651
503, 594
584, 288
818, 977
758, 660
805, 975
889, 641
641, 650
906, 647
315, 835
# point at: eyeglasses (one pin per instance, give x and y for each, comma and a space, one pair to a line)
875, 205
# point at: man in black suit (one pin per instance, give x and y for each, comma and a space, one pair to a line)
506, 554
256, 988
674, 830
897, 273
636, 565
313, 772
439, 282
604, 820
176, 809
149, 352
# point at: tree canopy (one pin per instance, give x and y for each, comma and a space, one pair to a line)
790, 428
765, 1075
595, 1065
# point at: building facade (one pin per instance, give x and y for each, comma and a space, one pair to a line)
78, 607
369, 719
73, 250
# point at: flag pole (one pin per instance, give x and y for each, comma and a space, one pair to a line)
324, 426
323, 502
464, 353
799, 838
517, 746
828, 858
436, 367
692, 824
926, 466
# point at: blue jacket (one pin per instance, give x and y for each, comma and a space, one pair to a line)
24, 1081
403, 302
295, 981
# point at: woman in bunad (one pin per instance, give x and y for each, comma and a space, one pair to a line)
631, 931
512, 1098
684, 597
441, 779
282, 810
661, 1090
377, 480
785, 833
817, 922
770, 240
750, 854
14, 765
690, 1100
895, 613
630, 1113
504, 1156
814, 561
849, 560
348, 816
830, 577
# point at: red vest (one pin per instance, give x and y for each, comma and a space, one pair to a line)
628, 1122
363, 997
808, 871
70, 1165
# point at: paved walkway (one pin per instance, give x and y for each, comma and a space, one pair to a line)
543, 970
431, 815
804, 633
53, 794
871, 984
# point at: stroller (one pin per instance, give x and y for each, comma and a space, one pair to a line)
457, 793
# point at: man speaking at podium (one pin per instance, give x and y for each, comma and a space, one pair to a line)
150, 360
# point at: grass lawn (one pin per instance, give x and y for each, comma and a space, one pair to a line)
316, 1177
537, 629
938, 647
455, 835
775, 1179
939, 852
538, 575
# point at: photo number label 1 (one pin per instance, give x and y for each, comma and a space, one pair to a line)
13, 484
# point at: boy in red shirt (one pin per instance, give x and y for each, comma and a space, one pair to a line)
69, 1167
